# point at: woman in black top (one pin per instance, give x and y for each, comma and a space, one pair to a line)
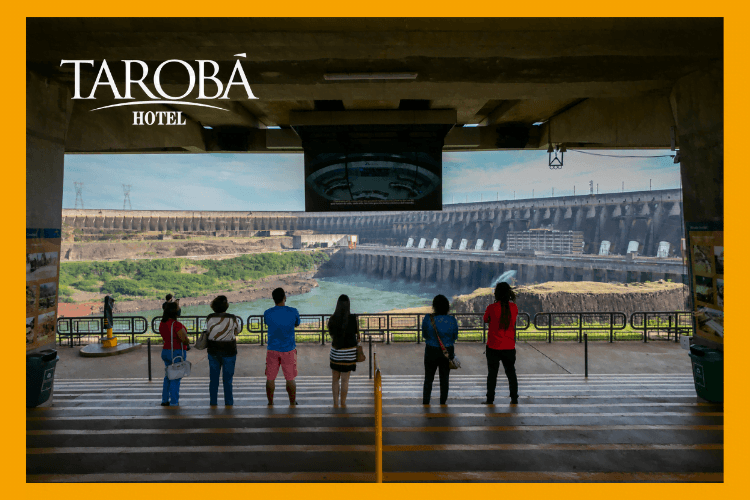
344, 330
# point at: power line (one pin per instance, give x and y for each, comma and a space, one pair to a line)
620, 156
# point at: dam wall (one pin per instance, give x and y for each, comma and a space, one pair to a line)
645, 217
470, 270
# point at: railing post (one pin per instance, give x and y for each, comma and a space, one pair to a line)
645, 327
549, 328
370, 357
419, 329
484, 332
611, 327
149, 359
580, 327
586, 353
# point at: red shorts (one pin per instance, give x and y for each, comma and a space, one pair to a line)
287, 361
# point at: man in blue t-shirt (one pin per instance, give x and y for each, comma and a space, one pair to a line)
282, 349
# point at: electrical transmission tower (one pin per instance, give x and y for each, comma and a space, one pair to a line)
79, 194
126, 200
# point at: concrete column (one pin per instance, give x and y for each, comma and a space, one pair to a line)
400, 264
559, 274
48, 110
414, 268
588, 274
531, 273
697, 103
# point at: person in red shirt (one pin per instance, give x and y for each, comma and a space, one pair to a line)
501, 341
172, 330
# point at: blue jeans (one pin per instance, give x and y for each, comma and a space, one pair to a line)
215, 364
170, 392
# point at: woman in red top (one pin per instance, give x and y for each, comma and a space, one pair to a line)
169, 329
501, 341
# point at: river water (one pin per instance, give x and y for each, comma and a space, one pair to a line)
367, 295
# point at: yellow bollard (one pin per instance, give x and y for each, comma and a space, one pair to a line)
111, 340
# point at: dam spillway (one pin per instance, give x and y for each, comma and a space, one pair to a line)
469, 270
645, 217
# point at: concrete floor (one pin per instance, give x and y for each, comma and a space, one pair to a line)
401, 359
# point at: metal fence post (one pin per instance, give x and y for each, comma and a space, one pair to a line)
149, 359
370, 357
580, 327
611, 327
586, 353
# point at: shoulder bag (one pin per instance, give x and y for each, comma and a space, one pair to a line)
202, 341
454, 363
177, 369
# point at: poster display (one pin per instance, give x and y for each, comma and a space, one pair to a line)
705, 242
42, 272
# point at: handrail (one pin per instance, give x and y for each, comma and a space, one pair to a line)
681, 322
577, 320
378, 421
194, 325
79, 326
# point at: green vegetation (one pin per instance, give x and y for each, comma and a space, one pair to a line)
129, 279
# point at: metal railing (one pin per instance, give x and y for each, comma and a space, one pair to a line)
92, 327
194, 325
404, 327
378, 389
572, 325
673, 323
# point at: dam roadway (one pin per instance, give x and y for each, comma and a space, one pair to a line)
472, 268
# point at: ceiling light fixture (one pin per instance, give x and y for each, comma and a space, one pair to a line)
369, 76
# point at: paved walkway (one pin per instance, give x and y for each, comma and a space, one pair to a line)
401, 359
607, 428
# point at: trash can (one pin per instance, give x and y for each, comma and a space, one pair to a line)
40, 375
708, 372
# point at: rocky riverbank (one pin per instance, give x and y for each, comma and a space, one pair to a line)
584, 296
245, 291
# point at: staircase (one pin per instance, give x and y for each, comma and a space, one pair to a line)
606, 428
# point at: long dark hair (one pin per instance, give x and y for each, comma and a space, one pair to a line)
340, 317
503, 294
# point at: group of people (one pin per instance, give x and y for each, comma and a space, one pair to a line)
440, 332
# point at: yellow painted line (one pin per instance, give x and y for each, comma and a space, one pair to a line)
203, 449
552, 447
222, 430
207, 477
478, 428
549, 477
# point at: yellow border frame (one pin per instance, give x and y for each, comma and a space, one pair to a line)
13, 86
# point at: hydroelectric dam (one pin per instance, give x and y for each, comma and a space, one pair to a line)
464, 243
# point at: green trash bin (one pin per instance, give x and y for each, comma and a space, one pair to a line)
40, 376
708, 372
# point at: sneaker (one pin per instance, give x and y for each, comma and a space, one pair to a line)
488, 402
514, 401
165, 403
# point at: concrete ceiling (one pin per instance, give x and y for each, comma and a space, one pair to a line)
495, 73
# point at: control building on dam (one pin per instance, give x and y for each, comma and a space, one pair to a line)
645, 217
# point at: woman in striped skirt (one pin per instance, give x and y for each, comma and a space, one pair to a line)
344, 330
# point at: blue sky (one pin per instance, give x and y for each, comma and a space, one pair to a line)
271, 182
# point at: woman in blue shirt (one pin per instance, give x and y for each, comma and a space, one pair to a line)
434, 359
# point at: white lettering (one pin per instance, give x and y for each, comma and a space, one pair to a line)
129, 80
238, 69
77, 66
137, 117
170, 117
202, 79
150, 118
179, 115
110, 81
157, 79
